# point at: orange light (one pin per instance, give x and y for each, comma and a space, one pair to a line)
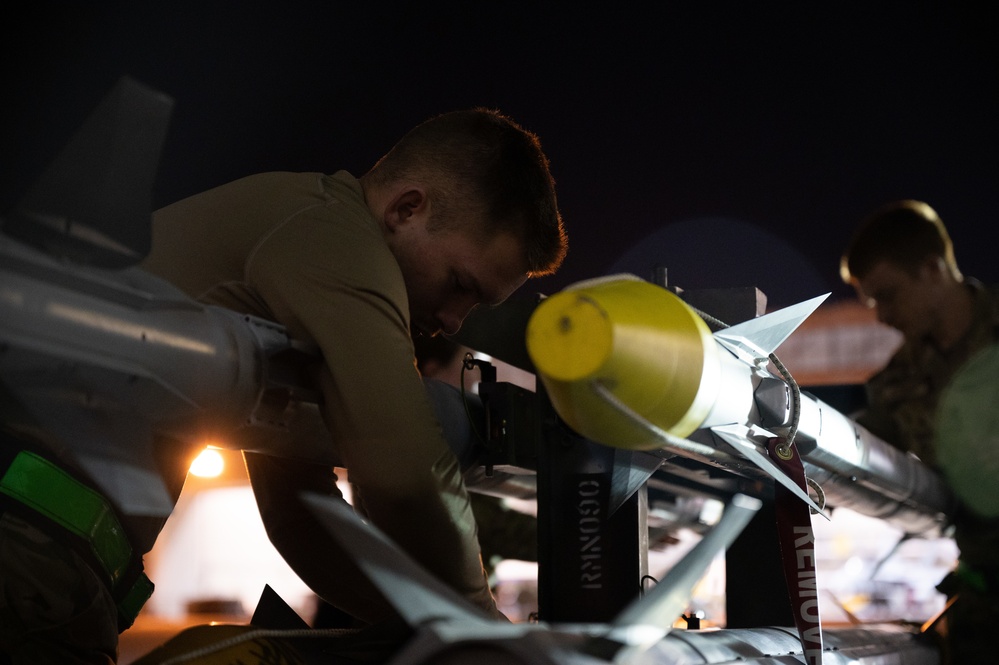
209, 464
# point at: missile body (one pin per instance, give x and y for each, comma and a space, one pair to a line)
102, 361
98, 358
628, 364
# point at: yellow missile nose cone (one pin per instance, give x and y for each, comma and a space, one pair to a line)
637, 340
570, 337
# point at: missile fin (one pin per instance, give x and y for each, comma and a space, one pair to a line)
631, 470
94, 201
757, 338
414, 593
650, 618
135, 488
749, 451
117, 453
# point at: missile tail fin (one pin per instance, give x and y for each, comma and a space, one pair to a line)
757, 338
648, 619
632, 469
414, 593
94, 202
749, 451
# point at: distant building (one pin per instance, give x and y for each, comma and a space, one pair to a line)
841, 343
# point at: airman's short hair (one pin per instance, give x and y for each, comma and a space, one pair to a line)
480, 164
904, 233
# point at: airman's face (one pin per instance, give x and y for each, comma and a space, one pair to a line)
448, 272
906, 302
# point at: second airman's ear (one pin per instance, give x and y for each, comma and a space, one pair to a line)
934, 267
408, 204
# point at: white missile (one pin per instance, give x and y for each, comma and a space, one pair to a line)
628, 364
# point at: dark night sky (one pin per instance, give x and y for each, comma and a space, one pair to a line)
735, 143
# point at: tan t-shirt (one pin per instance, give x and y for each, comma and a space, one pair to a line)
302, 249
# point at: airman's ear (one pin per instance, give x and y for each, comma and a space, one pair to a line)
935, 267
406, 205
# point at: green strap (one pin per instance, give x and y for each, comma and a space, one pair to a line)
47, 489
43, 486
972, 578
133, 601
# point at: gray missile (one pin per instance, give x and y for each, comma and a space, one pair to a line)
98, 358
103, 361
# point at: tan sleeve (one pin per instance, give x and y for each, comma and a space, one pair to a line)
333, 281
